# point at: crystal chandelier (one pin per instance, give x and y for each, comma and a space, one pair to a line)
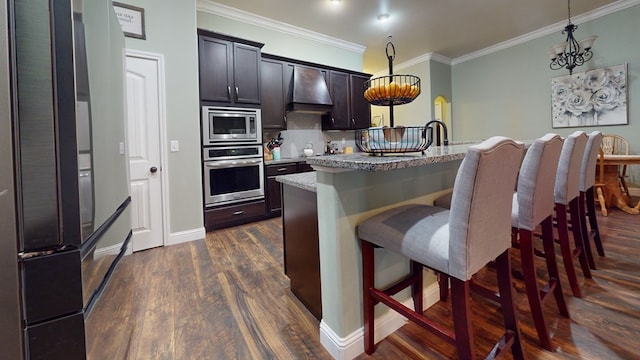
571, 53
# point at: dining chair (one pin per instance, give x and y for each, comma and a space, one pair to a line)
567, 197
457, 242
586, 203
617, 145
533, 206
600, 185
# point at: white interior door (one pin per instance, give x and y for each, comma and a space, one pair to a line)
143, 127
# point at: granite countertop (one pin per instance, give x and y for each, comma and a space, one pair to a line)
368, 162
305, 180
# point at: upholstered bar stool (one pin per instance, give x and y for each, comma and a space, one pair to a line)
587, 204
567, 199
457, 242
533, 205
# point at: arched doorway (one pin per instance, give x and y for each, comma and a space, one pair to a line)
442, 112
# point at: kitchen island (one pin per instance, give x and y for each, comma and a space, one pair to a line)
349, 189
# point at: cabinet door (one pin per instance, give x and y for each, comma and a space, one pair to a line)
246, 60
339, 90
273, 95
360, 107
215, 69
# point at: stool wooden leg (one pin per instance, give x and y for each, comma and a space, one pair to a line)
552, 266
461, 309
584, 231
565, 248
593, 221
531, 283
443, 283
578, 239
416, 288
367, 301
503, 263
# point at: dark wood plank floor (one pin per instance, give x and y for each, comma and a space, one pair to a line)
226, 297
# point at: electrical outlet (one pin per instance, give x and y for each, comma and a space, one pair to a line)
175, 146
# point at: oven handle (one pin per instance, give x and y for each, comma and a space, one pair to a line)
231, 163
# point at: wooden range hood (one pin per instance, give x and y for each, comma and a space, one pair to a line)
309, 91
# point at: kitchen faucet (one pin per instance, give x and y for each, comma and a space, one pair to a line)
445, 142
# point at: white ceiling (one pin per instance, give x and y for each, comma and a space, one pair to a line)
451, 28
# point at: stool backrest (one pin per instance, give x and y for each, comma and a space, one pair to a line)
480, 217
567, 185
588, 169
535, 186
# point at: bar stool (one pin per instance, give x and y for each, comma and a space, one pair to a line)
533, 205
567, 199
587, 197
457, 242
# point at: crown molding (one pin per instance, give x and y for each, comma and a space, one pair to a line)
214, 8
591, 15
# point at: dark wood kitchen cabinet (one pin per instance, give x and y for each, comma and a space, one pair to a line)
229, 69
274, 188
350, 109
273, 94
232, 215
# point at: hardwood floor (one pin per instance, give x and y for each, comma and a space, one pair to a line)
226, 297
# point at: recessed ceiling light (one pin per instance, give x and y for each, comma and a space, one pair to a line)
383, 17
335, 1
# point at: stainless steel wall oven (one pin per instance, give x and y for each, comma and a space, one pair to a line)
233, 174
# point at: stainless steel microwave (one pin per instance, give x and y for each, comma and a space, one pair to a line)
226, 125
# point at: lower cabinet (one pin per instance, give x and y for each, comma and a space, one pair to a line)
231, 215
274, 188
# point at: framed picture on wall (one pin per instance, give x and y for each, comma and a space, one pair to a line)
591, 98
131, 19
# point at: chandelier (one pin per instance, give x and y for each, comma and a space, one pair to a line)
571, 53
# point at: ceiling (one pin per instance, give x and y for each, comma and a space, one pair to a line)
451, 28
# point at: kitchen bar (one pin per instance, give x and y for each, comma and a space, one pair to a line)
351, 188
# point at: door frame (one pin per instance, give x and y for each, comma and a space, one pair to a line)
162, 124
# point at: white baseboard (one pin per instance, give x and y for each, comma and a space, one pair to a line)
634, 191
111, 251
352, 345
186, 236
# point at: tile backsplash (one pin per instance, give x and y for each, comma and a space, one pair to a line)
303, 128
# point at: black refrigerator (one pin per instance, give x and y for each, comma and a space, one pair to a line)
63, 171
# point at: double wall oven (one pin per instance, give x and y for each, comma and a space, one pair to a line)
233, 166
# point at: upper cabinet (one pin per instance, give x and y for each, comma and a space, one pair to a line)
273, 94
350, 109
229, 69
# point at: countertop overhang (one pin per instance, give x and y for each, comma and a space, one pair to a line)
387, 162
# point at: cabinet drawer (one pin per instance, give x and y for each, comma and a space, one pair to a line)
282, 169
234, 214
304, 167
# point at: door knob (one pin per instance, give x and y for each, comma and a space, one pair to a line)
153, 169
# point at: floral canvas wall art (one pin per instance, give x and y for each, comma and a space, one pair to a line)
591, 98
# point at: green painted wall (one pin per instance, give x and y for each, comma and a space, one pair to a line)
171, 31
509, 92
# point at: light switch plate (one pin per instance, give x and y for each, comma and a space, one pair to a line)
175, 146
121, 148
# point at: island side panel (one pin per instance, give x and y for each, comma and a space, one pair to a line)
301, 252
344, 200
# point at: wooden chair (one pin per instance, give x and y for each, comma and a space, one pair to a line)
617, 145
533, 206
567, 199
600, 185
457, 242
587, 199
